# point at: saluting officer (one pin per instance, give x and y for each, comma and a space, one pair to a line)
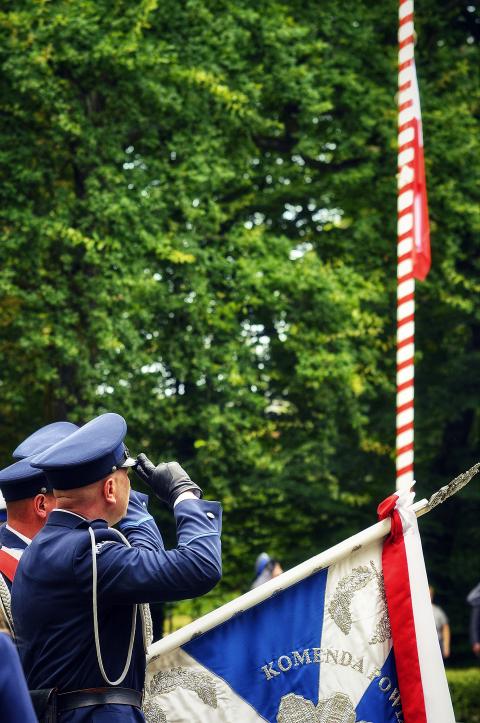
75, 603
28, 500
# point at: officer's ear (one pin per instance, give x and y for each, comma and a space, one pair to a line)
39, 506
110, 490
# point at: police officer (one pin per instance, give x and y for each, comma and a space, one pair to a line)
75, 603
28, 496
28, 501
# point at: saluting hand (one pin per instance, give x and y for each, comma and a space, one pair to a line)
168, 479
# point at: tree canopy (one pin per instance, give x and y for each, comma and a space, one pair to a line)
198, 232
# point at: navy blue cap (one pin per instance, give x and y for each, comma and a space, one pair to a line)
20, 481
88, 455
44, 438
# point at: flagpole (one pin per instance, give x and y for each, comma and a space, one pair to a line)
405, 250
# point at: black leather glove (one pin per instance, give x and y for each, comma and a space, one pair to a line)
168, 480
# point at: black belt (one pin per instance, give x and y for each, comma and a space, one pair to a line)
98, 696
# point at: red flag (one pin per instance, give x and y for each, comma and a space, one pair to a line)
421, 224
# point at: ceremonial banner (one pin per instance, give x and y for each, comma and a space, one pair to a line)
318, 650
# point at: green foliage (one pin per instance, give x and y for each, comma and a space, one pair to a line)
198, 231
465, 690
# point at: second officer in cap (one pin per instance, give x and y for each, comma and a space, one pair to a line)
28, 500
76, 616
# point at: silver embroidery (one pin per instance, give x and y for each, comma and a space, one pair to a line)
147, 625
200, 683
295, 709
382, 631
153, 712
336, 709
339, 607
348, 586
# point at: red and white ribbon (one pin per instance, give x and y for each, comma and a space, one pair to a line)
418, 659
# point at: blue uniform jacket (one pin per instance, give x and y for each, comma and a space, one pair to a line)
52, 595
11, 541
15, 703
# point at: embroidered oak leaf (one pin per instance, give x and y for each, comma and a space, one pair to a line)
382, 630
154, 712
296, 709
200, 683
339, 607
338, 708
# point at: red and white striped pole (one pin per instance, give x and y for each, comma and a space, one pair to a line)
405, 247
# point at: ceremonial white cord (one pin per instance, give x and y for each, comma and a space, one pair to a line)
95, 617
5, 605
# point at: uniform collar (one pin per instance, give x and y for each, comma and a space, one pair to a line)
26, 540
11, 538
66, 518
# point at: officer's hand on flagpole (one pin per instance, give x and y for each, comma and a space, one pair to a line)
168, 479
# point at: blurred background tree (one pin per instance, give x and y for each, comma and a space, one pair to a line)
198, 232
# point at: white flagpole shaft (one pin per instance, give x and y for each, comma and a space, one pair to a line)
276, 585
405, 241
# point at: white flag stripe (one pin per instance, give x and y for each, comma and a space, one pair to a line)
435, 688
416, 99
